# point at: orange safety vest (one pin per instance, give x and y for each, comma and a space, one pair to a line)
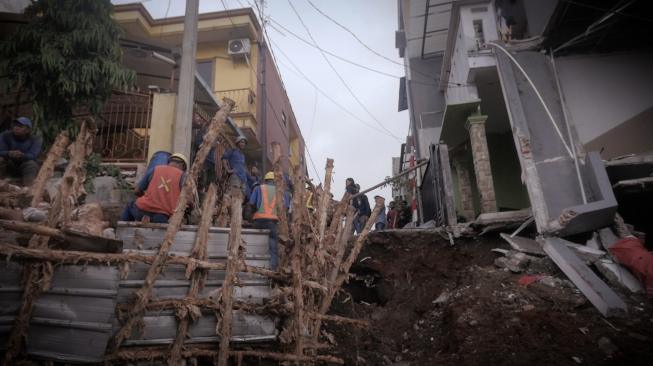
268, 207
162, 192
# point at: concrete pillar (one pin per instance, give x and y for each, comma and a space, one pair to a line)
465, 191
184, 113
476, 126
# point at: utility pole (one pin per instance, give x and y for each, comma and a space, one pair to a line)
184, 115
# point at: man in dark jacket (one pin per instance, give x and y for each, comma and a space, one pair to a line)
362, 206
19, 150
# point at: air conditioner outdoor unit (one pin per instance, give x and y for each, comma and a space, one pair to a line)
238, 48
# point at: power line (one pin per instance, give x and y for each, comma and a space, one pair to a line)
310, 130
366, 45
300, 74
351, 92
316, 46
354, 63
266, 37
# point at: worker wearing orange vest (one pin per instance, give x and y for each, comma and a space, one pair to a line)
158, 192
265, 217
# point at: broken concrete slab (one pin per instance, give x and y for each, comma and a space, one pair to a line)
587, 254
617, 275
594, 242
524, 245
595, 290
503, 218
515, 262
608, 238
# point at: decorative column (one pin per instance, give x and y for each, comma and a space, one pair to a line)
465, 190
476, 126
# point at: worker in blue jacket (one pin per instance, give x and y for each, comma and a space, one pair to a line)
19, 149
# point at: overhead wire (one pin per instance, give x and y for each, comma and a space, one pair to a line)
301, 74
342, 80
266, 38
366, 45
343, 59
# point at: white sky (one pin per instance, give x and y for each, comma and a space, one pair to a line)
359, 151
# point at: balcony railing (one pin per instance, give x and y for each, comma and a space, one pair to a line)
124, 128
245, 99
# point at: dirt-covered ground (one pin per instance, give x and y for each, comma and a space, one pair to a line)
430, 303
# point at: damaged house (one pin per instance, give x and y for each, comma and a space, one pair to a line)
532, 110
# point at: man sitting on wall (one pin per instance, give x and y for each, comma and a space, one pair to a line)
19, 150
158, 192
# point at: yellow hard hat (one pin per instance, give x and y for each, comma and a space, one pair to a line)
181, 157
269, 176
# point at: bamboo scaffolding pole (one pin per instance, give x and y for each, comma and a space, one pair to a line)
343, 269
74, 257
37, 276
197, 276
228, 284
142, 296
211, 304
325, 199
295, 265
47, 169
153, 353
339, 319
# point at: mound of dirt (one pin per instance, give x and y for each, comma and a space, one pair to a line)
430, 303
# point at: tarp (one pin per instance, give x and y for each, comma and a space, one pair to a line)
631, 253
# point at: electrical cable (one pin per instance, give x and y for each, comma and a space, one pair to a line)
366, 45
335, 71
268, 40
301, 74
347, 60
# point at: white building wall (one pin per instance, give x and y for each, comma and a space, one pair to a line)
469, 47
602, 92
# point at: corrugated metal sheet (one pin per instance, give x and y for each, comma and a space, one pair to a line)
72, 321
161, 327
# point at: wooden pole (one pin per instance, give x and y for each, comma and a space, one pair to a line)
325, 199
295, 264
73, 257
47, 169
142, 296
343, 269
388, 180
197, 276
34, 279
232, 265
133, 354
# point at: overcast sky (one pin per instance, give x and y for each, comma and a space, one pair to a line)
359, 151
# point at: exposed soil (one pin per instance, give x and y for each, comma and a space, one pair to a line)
487, 318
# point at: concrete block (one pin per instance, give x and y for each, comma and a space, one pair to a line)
604, 299
618, 275
587, 254
525, 245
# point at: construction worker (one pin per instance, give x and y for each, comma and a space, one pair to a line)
393, 215
158, 192
233, 162
19, 150
264, 199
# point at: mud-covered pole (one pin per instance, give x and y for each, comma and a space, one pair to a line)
232, 267
142, 296
47, 169
196, 275
325, 199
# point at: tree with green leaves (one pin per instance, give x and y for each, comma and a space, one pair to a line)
67, 58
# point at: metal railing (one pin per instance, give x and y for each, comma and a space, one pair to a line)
124, 127
245, 99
